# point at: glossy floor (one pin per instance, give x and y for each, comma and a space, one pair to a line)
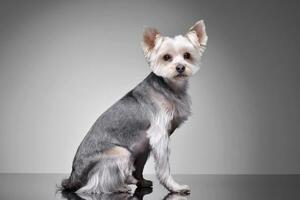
204, 187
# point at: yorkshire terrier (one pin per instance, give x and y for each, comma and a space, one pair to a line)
113, 153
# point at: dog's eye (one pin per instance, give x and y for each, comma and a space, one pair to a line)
167, 57
186, 55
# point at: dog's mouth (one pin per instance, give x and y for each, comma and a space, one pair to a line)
180, 76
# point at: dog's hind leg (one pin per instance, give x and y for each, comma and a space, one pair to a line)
139, 164
110, 173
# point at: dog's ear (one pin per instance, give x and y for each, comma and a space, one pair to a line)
197, 34
150, 37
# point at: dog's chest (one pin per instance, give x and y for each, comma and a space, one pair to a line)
169, 115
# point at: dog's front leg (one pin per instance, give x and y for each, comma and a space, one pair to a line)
161, 152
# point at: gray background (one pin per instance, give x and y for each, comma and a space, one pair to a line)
62, 63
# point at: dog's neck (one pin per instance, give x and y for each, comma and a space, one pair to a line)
170, 97
178, 86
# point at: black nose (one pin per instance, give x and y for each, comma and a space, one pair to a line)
180, 68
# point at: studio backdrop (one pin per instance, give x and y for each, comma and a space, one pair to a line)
63, 63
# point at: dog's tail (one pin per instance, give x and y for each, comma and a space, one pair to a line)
69, 184
66, 184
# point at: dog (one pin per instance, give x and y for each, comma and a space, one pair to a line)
113, 153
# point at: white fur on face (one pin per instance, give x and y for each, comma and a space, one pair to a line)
155, 47
175, 47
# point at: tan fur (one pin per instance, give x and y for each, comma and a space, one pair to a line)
161, 102
150, 34
117, 151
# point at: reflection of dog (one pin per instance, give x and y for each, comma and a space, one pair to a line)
115, 150
139, 194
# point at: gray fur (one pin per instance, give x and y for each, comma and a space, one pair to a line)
125, 124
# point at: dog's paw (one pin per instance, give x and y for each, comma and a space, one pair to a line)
140, 192
131, 180
176, 196
144, 183
124, 189
181, 189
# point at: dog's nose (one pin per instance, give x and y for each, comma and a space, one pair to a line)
180, 68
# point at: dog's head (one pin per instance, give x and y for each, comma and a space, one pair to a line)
176, 58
